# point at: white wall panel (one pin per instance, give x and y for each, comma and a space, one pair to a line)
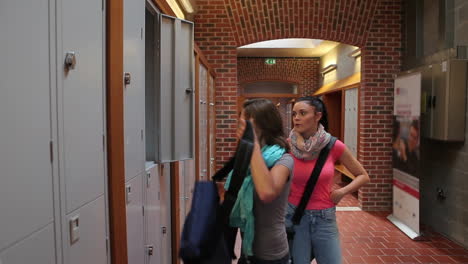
83, 97
91, 245
26, 172
134, 93
37, 249
135, 238
351, 120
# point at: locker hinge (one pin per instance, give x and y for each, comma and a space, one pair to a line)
141, 31
103, 141
141, 133
143, 210
51, 149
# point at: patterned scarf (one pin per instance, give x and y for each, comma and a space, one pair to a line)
308, 149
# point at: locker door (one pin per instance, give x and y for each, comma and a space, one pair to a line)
165, 187
82, 95
203, 123
26, 202
135, 236
134, 92
81, 128
153, 215
212, 128
351, 114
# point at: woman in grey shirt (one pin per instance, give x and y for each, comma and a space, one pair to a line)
259, 211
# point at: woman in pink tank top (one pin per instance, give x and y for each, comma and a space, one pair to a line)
316, 236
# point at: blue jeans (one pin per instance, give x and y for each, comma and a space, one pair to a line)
316, 236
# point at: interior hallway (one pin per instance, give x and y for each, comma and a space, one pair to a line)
368, 237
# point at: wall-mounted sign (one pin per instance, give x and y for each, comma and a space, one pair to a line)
270, 61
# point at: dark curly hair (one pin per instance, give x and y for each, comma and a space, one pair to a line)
319, 107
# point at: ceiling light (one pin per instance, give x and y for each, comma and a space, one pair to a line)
176, 8
355, 53
328, 69
187, 5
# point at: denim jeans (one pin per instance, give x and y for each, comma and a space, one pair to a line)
316, 236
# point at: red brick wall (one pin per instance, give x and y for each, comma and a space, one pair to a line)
373, 25
302, 71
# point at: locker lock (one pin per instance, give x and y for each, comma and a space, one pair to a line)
150, 250
127, 78
70, 60
188, 90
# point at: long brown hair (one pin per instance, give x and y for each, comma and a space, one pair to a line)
267, 120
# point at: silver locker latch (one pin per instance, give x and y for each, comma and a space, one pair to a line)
150, 249
164, 229
127, 78
70, 60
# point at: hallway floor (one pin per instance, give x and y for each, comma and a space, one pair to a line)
368, 237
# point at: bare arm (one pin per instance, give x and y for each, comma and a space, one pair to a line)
355, 167
268, 183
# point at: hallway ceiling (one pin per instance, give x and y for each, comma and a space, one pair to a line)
287, 48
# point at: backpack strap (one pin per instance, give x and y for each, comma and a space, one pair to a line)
296, 219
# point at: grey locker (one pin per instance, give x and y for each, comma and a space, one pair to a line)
165, 195
81, 113
152, 69
203, 123
88, 244
152, 232
135, 221
134, 91
175, 95
26, 173
351, 120
37, 248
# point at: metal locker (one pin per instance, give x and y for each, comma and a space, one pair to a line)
176, 90
212, 127
86, 234
81, 101
38, 249
135, 221
153, 232
203, 123
134, 91
351, 120
189, 182
26, 202
165, 202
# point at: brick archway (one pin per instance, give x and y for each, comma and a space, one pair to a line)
373, 25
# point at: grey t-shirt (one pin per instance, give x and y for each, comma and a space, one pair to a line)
270, 241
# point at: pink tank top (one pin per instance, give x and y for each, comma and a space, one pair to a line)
320, 198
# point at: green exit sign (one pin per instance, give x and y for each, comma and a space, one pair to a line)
270, 61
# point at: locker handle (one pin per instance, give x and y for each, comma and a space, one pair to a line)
188, 90
70, 60
433, 102
127, 78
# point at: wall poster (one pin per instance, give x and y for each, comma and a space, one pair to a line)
406, 156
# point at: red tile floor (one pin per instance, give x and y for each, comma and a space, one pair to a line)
368, 237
